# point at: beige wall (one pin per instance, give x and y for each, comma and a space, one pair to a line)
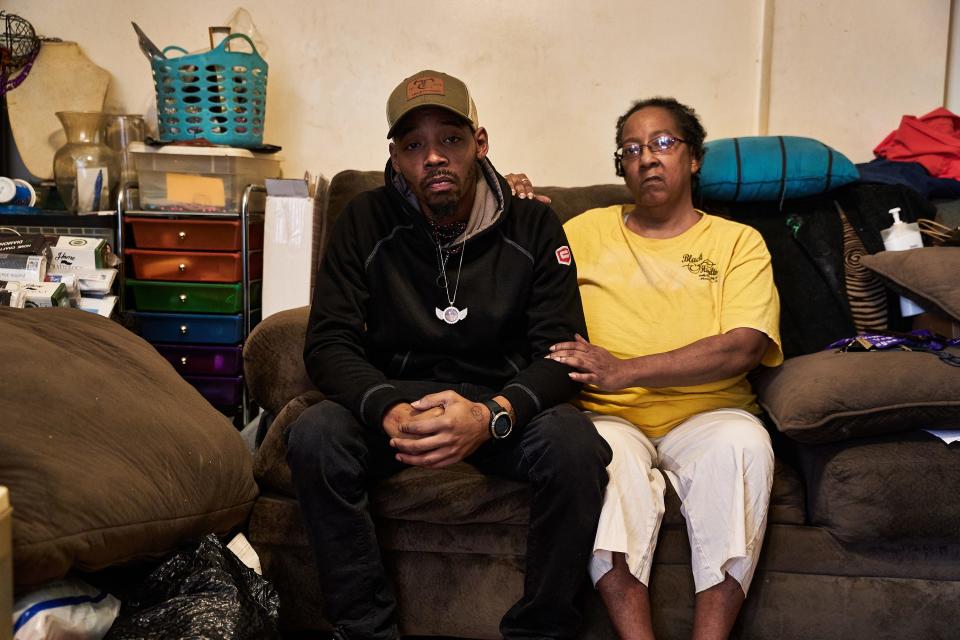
549, 77
953, 63
847, 70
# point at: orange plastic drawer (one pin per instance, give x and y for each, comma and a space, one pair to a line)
192, 266
192, 235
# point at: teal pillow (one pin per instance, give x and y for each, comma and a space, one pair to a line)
771, 168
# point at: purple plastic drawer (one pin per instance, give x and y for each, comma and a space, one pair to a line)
220, 392
202, 361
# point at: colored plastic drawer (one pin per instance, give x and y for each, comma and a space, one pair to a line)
192, 327
192, 235
193, 266
201, 360
221, 392
190, 297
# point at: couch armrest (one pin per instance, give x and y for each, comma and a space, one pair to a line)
270, 461
273, 359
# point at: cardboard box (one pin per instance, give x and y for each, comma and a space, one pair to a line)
6, 565
103, 306
71, 281
45, 294
22, 268
938, 323
12, 299
29, 244
11, 295
78, 252
94, 281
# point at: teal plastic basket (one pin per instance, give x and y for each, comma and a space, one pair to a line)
220, 95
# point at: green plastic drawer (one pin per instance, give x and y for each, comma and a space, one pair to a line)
190, 297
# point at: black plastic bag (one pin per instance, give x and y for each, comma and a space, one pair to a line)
205, 593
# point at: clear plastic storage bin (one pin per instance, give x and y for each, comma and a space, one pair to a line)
203, 179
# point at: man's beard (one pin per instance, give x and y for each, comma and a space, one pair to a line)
445, 205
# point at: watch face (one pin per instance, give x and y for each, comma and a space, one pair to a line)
502, 425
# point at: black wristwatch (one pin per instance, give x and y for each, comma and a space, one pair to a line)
501, 424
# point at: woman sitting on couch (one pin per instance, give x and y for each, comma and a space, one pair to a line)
680, 306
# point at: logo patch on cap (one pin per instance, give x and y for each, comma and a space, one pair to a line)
425, 85
564, 256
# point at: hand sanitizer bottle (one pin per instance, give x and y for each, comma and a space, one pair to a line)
900, 237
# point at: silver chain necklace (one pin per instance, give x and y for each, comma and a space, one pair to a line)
450, 315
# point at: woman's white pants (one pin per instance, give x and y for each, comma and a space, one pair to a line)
721, 465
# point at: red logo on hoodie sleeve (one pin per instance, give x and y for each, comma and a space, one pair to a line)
564, 256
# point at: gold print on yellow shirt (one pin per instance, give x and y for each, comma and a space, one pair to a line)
705, 268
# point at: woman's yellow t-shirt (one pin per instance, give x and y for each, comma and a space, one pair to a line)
643, 296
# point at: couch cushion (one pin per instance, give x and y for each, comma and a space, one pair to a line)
927, 276
772, 168
568, 202
833, 395
108, 453
798, 565
890, 488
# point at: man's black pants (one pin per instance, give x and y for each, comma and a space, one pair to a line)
335, 460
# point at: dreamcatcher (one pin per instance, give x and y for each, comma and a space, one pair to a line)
19, 46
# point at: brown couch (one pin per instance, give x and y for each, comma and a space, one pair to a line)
863, 538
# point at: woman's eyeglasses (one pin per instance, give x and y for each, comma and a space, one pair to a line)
660, 144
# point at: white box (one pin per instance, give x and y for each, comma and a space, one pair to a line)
287, 251
95, 281
11, 295
102, 306
45, 294
22, 268
79, 252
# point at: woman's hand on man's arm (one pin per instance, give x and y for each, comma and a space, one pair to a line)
707, 360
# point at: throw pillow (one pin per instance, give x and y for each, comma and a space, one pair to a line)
833, 395
929, 276
866, 294
771, 168
109, 455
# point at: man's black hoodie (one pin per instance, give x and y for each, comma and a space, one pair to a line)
373, 317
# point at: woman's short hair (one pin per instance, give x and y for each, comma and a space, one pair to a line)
691, 130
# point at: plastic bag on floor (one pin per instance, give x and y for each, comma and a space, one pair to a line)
202, 593
64, 609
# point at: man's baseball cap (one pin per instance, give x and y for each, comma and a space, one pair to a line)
430, 89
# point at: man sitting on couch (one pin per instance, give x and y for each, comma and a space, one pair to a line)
435, 304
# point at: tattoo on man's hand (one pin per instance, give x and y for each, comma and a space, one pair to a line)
477, 413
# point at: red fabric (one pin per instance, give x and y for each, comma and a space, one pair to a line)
932, 140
